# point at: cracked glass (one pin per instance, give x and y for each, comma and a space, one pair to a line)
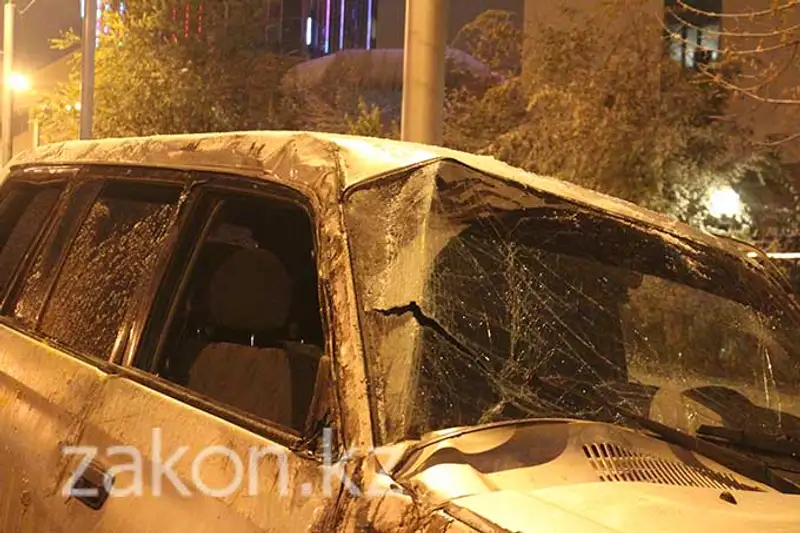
482, 301
23, 213
112, 257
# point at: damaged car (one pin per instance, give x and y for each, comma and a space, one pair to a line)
287, 331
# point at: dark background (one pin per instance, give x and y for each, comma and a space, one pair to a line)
37, 22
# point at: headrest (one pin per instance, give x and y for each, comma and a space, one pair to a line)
250, 291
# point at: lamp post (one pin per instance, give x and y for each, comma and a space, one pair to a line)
35, 133
424, 71
87, 70
9, 13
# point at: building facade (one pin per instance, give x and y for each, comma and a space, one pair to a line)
311, 28
283, 20
334, 25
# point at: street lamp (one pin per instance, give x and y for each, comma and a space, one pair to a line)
724, 202
19, 83
14, 83
9, 17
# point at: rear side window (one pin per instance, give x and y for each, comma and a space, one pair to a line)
24, 209
113, 256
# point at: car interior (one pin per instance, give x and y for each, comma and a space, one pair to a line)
249, 333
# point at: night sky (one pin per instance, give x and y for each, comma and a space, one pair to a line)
42, 20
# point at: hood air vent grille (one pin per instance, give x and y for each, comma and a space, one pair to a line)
617, 464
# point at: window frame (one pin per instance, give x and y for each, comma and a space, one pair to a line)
678, 21
93, 177
10, 291
98, 178
36, 175
215, 188
197, 184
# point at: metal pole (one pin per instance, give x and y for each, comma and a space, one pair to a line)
37, 137
424, 71
87, 72
9, 14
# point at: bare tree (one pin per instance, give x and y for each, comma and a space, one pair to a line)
753, 52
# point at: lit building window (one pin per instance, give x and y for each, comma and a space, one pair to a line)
339, 25
694, 46
693, 34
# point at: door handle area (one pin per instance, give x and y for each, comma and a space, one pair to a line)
93, 487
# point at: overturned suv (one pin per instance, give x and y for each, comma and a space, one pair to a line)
301, 332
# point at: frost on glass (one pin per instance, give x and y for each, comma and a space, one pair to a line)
24, 228
36, 280
482, 302
114, 253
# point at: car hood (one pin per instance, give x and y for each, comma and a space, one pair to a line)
635, 508
586, 476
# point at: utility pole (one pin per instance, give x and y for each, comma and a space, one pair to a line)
9, 13
36, 133
424, 71
87, 71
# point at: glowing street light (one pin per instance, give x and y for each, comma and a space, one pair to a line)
19, 83
724, 202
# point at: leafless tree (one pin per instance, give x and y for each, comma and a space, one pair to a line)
753, 53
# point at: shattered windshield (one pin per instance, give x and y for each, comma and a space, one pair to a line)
481, 301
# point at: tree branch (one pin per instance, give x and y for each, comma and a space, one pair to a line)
790, 4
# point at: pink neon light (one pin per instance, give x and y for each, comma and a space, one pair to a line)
369, 24
341, 25
327, 26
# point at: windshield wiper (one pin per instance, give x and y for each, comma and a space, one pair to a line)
753, 468
783, 445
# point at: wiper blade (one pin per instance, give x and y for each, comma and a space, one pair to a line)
783, 445
753, 468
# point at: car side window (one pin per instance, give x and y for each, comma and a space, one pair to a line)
30, 292
113, 254
23, 213
246, 331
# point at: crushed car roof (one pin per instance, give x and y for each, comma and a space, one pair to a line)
304, 159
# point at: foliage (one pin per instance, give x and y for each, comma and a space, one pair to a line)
772, 193
597, 108
369, 122
495, 39
760, 41
584, 102
147, 81
344, 93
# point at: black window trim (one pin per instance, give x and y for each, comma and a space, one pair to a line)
96, 181
11, 290
94, 190
95, 177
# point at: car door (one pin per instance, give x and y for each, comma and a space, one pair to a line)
220, 422
30, 421
46, 389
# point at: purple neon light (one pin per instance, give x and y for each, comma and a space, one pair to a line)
369, 24
341, 25
327, 26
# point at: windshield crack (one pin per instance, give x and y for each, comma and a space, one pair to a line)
427, 321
